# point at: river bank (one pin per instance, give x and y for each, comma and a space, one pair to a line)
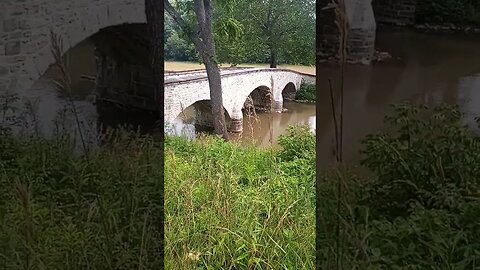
63, 209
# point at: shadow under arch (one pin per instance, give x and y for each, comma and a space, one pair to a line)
259, 99
196, 118
82, 66
289, 91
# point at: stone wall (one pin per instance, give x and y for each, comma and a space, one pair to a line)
360, 36
396, 12
25, 25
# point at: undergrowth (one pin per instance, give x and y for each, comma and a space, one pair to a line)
226, 206
421, 210
306, 92
60, 210
232, 207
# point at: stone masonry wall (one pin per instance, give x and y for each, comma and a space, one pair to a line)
25, 25
360, 36
396, 12
179, 96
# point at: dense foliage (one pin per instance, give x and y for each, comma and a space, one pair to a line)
420, 210
176, 44
458, 12
306, 92
247, 31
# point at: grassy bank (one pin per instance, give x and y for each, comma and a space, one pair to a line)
226, 207
182, 66
62, 210
240, 208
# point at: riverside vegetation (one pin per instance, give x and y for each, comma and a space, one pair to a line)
456, 12
232, 207
420, 210
226, 206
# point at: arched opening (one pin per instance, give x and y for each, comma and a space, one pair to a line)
260, 99
196, 118
81, 60
289, 91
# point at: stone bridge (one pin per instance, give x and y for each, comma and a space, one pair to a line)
266, 87
25, 25
362, 17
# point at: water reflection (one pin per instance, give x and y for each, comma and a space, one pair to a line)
263, 130
427, 68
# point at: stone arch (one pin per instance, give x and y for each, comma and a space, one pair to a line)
29, 50
289, 91
200, 113
261, 98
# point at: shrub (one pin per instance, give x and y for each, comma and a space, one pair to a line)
307, 92
428, 159
297, 143
420, 209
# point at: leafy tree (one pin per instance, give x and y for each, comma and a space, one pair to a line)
256, 31
278, 29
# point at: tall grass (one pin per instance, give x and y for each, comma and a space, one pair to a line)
227, 207
231, 207
60, 211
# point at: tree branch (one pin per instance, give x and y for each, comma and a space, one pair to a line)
174, 14
194, 36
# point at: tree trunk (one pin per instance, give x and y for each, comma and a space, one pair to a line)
206, 47
154, 13
273, 58
202, 37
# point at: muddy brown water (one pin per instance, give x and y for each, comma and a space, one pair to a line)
425, 68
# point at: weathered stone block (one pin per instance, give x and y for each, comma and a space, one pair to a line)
10, 25
15, 35
3, 71
12, 48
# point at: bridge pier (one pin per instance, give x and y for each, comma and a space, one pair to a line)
236, 125
277, 106
360, 36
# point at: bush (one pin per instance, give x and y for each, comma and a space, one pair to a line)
430, 160
298, 143
307, 92
420, 210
